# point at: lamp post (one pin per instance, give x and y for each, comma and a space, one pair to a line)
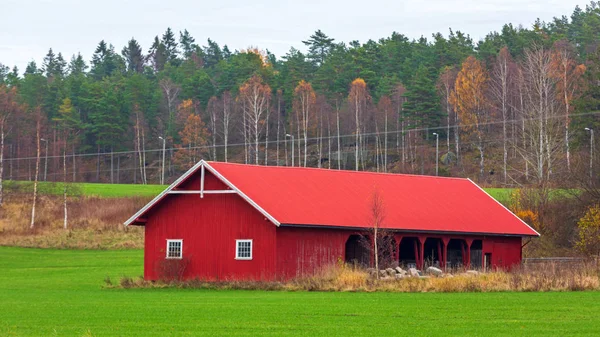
162, 176
45, 159
291, 136
591, 153
437, 152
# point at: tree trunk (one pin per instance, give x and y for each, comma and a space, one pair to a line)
65, 185
37, 173
1, 160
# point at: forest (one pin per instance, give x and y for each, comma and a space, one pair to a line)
514, 109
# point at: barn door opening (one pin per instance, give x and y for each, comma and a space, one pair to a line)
456, 253
476, 254
356, 251
433, 252
409, 248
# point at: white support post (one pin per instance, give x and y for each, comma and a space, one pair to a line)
202, 181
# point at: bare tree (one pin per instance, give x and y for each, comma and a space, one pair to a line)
212, 110
38, 131
541, 123
255, 95
500, 84
567, 75
170, 91
226, 118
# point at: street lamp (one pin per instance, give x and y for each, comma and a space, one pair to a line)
591, 153
291, 136
162, 176
46, 159
437, 152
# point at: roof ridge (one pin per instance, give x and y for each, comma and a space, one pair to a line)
422, 176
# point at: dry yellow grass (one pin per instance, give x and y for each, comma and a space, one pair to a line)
543, 277
93, 223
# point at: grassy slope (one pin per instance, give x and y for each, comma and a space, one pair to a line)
53, 292
129, 190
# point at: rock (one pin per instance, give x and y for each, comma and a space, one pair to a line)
472, 272
434, 271
390, 271
400, 271
400, 276
383, 273
448, 275
413, 272
371, 270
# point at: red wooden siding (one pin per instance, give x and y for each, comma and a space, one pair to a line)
302, 251
506, 251
209, 227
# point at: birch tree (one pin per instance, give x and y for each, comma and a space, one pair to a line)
542, 128
500, 86
38, 131
358, 99
567, 75
255, 96
226, 119
304, 105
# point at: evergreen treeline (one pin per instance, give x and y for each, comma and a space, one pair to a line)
515, 102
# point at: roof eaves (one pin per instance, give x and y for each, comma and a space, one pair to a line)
156, 199
242, 194
508, 210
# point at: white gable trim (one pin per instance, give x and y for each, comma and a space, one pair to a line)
499, 203
241, 194
201, 164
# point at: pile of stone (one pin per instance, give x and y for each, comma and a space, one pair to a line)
399, 273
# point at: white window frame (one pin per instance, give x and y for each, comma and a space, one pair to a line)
169, 241
237, 247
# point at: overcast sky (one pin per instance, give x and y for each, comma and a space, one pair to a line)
29, 28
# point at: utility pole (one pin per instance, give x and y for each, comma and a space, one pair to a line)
291, 136
591, 154
437, 152
162, 176
45, 159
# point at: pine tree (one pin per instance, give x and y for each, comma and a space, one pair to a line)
188, 44
319, 47
168, 40
133, 56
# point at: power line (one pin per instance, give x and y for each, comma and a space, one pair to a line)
285, 141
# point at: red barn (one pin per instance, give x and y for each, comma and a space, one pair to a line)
233, 221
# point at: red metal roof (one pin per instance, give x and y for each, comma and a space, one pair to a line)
334, 198
322, 197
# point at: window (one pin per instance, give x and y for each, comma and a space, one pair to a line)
174, 249
243, 249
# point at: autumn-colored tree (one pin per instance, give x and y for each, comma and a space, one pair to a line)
568, 75
470, 102
194, 141
589, 232
304, 107
358, 99
255, 96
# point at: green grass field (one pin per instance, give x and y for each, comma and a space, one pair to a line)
60, 293
129, 190
89, 189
